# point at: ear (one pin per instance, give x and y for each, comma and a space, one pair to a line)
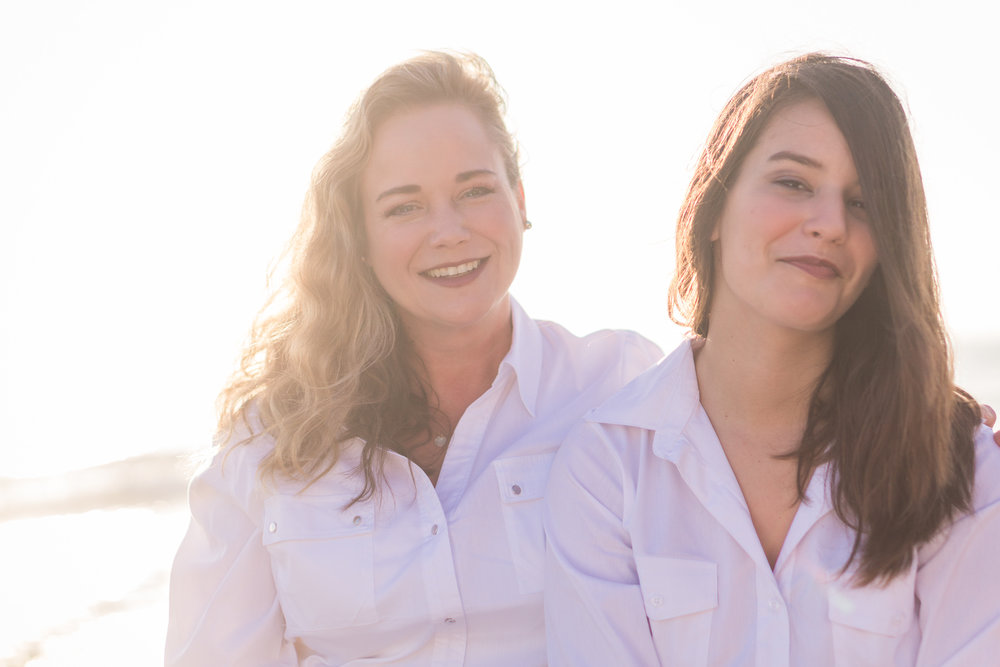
520, 201
715, 232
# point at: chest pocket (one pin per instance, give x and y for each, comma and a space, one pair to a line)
680, 597
521, 481
322, 560
869, 622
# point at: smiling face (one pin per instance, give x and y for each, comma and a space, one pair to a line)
793, 245
443, 223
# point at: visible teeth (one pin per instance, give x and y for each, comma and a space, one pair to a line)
452, 271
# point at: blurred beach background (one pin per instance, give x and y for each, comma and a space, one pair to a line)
153, 159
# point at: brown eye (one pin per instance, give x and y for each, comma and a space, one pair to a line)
793, 184
858, 210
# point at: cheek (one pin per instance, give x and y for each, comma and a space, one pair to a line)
866, 252
385, 258
386, 244
736, 246
502, 224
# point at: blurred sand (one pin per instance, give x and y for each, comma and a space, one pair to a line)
85, 563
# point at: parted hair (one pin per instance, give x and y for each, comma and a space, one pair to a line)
886, 412
327, 359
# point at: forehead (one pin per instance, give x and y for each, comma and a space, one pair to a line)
804, 127
415, 145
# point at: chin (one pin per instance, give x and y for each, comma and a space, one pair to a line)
808, 320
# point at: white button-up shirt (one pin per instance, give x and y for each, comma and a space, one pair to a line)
652, 556
449, 575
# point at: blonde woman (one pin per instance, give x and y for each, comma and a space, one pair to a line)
800, 483
376, 493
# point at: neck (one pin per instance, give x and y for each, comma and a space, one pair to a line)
461, 364
760, 379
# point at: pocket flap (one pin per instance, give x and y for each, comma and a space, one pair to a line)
673, 587
302, 517
523, 478
884, 611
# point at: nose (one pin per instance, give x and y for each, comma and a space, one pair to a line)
448, 226
827, 218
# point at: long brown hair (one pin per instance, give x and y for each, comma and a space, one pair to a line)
327, 359
886, 412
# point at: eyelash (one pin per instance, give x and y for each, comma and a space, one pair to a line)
402, 209
477, 191
474, 192
793, 184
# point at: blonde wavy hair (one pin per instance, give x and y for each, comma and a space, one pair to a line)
327, 359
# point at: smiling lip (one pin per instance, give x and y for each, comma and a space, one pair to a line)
455, 275
814, 266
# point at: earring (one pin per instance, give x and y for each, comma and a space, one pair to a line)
527, 224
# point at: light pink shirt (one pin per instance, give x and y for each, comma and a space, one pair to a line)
653, 558
449, 575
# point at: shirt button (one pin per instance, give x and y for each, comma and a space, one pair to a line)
449, 620
898, 618
273, 527
516, 489
357, 521
774, 604
434, 529
656, 600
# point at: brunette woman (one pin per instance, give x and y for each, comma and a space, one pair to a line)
800, 483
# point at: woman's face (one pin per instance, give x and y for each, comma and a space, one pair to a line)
793, 244
443, 223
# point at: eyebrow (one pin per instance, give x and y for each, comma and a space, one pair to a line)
795, 157
411, 189
398, 190
466, 175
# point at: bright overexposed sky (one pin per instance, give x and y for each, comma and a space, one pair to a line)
154, 155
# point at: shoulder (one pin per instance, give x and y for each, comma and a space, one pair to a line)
556, 333
556, 350
660, 400
663, 395
603, 348
983, 517
230, 472
986, 491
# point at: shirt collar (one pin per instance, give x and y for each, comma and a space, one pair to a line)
525, 356
662, 399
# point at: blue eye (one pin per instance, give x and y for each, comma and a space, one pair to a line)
477, 191
402, 209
